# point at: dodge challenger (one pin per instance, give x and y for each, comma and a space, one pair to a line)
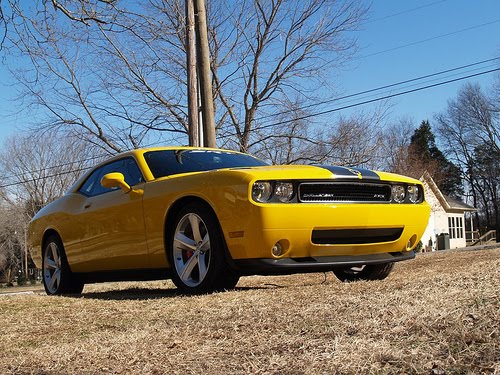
205, 217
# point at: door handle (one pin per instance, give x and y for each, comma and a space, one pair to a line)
87, 205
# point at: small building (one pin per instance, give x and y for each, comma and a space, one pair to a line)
446, 227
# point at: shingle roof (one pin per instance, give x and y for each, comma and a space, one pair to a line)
455, 204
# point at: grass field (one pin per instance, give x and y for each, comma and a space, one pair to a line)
438, 314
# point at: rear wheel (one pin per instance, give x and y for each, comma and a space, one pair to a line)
196, 252
364, 272
57, 276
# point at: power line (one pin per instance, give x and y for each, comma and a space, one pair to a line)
427, 40
372, 100
296, 119
334, 99
404, 12
34, 179
41, 170
20, 175
382, 87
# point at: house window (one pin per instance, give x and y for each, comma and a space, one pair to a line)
456, 227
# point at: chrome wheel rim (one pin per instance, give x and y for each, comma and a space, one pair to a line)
52, 268
191, 250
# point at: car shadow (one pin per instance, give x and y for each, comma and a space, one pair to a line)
141, 294
133, 294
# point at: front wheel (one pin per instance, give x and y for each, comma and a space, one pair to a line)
57, 276
364, 272
196, 252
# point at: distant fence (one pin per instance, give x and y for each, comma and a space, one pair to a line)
475, 239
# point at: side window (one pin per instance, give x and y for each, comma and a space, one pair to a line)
89, 184
128, 167
131, 171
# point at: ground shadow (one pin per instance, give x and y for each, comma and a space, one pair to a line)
133, 294
140, 294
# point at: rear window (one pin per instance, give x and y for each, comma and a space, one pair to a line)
169, 162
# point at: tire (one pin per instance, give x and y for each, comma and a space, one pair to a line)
230, 281
57, 276
364, 272
196, 252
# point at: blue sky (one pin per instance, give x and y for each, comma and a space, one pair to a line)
432, 20
472, 30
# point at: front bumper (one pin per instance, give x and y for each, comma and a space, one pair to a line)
251, 231
318, 264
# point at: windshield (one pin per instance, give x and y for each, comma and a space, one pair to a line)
169, 162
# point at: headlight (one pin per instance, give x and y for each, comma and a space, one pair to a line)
413, 193
262, 191
283, 191
398, 193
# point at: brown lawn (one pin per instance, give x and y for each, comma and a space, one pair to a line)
438, 314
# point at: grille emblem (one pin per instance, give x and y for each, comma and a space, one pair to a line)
318, 191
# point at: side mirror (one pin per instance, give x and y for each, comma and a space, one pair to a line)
115, 180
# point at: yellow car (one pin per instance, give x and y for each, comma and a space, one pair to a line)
205, 217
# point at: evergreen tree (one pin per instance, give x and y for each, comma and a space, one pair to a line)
423, 147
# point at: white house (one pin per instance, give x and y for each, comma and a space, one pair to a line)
447, 217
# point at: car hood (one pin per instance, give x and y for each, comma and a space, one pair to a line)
320, 172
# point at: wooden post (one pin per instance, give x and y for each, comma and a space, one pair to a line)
205, 77
26, 275
192, 79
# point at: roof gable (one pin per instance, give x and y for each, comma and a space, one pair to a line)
449, 204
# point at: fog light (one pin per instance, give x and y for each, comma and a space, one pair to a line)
411, 242
277, 250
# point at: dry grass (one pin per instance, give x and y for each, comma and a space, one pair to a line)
437, 314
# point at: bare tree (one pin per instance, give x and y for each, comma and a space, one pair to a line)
35, 170
11, 242
349, 141
396, 140
404, 155
283, 49
470, 130
116, 73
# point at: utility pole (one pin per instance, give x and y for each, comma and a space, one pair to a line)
205, 77
192, 78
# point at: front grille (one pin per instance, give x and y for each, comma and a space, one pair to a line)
344, 192
355, 236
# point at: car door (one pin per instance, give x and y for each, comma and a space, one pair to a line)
112, 222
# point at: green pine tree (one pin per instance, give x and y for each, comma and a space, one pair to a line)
423, 146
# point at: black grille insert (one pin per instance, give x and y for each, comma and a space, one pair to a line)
355, 236
344, 192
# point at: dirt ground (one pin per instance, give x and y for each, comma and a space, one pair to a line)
437, 314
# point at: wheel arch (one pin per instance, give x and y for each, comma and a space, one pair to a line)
176, 207
46, 235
